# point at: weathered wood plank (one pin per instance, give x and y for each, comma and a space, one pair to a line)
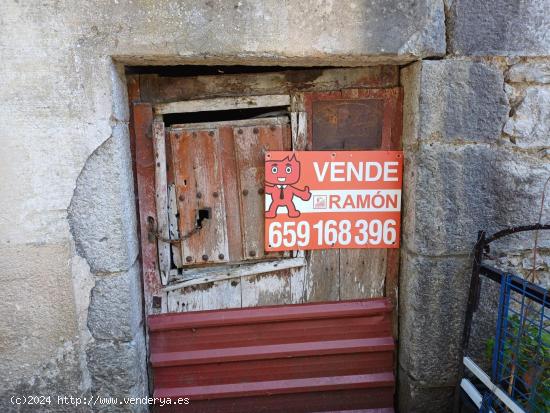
362, 273
204, 105
298, 283
161, 199
145, 171
173, 224
231, 193
221, 294
301, 133
323, 276
158, 89
199, 184
281, 120
196, 276
251, 143
209, 296
266, 289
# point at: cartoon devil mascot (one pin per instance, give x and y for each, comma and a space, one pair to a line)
280, 177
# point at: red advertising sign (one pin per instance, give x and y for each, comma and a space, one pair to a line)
318, 200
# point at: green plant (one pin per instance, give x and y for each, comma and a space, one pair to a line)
526, 356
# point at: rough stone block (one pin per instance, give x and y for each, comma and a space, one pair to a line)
115, 311
431, 316
451, 192
499, 27
102, 212
118, 369
418, 397
530, 124
532, 72
452, 100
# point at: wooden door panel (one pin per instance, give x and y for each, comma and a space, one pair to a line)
251, 143
199, 188
362, 273
231, 193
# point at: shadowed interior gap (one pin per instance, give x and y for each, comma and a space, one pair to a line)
224, 115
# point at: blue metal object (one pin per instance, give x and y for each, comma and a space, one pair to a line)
521, 354
520, 372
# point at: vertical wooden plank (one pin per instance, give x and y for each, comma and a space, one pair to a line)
209, 178
266, 289
231, 193
323, 277
362, 273
145, 172
173, 224
199, 185
298, 284
161, 199
251, 143
300, 141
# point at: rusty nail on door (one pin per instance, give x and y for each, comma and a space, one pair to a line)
252, 253
211, 133
255, 130
221, 256
245, 192
261, 191
205, 257
188, 258
215, 194
199, 195
240, 131
181, 198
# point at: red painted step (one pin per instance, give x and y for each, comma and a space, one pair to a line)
269, 388
273, 351
235, 316
342, 400
306, 358
275, 362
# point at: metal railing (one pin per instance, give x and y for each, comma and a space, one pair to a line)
519, 380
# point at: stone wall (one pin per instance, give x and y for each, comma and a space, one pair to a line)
476, 143
477, 148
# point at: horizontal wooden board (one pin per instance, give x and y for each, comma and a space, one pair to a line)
228, 103
158, 89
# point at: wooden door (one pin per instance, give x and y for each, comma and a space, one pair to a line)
217, 176
201, 206
202, 240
